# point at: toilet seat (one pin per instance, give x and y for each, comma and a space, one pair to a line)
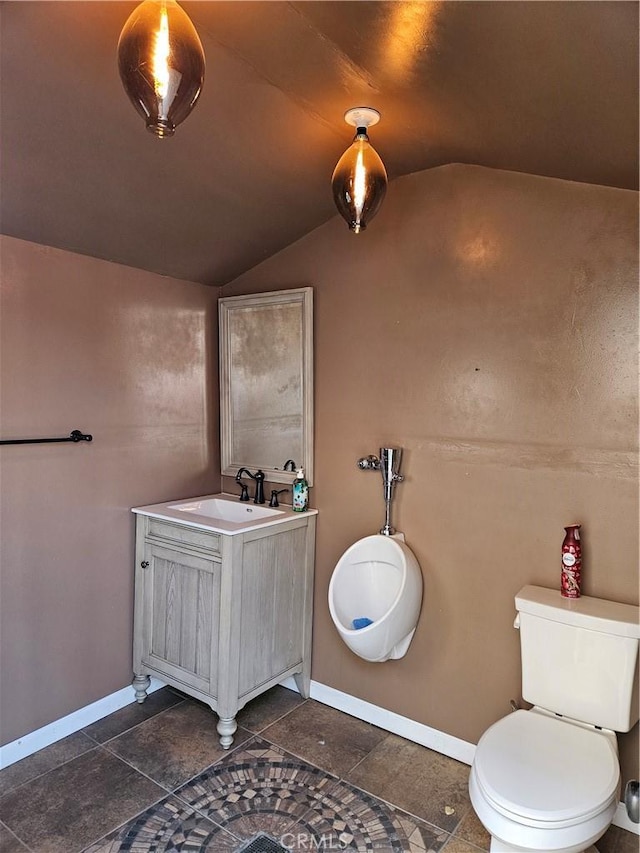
544, 772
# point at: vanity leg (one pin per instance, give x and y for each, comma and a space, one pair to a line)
141, 684
303, 682
226, 728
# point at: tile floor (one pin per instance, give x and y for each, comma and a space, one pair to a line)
300, 776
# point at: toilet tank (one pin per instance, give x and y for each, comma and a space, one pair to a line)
580, 656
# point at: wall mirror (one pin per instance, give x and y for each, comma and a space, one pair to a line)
266, 383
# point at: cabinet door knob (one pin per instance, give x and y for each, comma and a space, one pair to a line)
145, 564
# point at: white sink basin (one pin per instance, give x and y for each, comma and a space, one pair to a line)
226, 510
221, 513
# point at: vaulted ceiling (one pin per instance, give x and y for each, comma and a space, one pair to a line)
549, 88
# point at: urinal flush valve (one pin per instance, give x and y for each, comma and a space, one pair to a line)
389, 466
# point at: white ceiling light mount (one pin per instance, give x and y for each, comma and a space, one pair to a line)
362, 117
359, 181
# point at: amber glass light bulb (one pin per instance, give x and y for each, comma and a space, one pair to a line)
359, 182
161, 64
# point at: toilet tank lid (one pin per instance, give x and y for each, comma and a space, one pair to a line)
594, 614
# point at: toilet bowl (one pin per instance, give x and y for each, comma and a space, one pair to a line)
378, 578
542, 783
548, 780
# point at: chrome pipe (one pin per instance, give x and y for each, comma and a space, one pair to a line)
390, 459
389, 466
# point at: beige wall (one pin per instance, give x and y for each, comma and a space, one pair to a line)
486, 323
130, 357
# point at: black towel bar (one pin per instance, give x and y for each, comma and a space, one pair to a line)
76, 436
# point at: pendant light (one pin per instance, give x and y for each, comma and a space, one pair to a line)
161, 64
359, 180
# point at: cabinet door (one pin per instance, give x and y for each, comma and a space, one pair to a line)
180, 616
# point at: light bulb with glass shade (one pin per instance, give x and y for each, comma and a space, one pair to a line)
359, 180
161, 64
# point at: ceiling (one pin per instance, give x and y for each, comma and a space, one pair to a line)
549, 88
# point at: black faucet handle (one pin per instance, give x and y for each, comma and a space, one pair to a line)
274, 496
244, 494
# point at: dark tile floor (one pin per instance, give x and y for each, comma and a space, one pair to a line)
152, 778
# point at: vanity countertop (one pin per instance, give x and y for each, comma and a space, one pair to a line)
193, 513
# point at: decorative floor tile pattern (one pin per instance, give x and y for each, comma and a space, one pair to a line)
260, 790
257, 778
168, 827
303, 778
358, 821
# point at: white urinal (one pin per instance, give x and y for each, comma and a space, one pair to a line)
377, 578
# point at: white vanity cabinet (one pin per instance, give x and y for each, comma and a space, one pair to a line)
223, 616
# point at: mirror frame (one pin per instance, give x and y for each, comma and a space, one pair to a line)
228, 306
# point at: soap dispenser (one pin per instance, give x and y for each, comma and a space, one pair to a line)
300, 491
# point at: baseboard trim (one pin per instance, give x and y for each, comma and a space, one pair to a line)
390, 721
622, 819
434, 739
34, 741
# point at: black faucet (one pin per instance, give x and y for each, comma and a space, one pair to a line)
259, 478
274, 496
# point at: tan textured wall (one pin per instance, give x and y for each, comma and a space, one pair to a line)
486, 323
130, 357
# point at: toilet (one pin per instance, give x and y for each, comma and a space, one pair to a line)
377, 579
548, 779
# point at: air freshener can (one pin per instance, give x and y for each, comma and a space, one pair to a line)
571, 563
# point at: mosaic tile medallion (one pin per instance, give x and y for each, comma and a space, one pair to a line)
257, 788
167, 827
261, 788
260, 795
358, 821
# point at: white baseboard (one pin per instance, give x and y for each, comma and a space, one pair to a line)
622, 819
80, 719
390, 721
434, 739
